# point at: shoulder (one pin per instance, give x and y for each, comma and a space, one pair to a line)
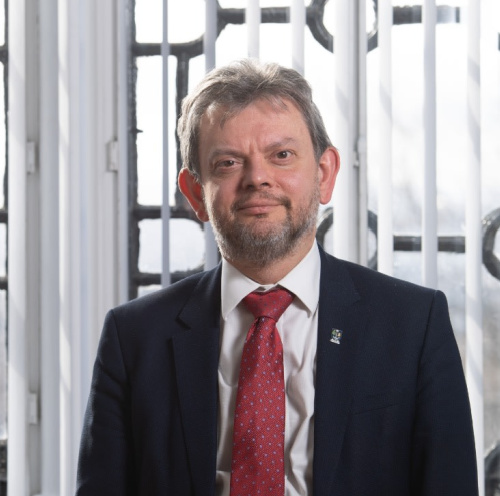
373, 286
166, 304
407, 315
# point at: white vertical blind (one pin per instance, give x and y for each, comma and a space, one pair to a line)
165, 206
298, 21
75, 340
346, 234
362, 134
87, 208
473, 254
49, 252
429, 204
385, 205
69, 328
253, 18
17, 455
72, 365
122, 133
210, 38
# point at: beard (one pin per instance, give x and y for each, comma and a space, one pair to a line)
258, 244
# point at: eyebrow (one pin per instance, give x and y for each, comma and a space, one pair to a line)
218, 152
280, 143
236, 153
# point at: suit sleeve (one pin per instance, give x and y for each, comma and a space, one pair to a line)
105, 464
443, 458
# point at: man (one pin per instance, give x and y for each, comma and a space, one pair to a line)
374, 400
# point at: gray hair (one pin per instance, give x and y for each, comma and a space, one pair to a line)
233, 88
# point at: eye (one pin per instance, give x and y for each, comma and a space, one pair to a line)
226, 163
284, 154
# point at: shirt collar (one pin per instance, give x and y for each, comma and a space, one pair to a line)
302, 281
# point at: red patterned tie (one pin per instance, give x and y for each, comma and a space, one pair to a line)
259, 419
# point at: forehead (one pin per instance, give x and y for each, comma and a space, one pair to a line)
223, 112
270, 114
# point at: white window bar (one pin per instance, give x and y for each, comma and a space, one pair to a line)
253, 18
473, 237
345, 236
362, 135
17, 475
429, 204
75, 340
122, 129
49, 251
87, 200
385, 237
165, 207
298, 22
210, 38
69, 325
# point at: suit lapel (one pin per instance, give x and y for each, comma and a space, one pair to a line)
196, 353
339, 308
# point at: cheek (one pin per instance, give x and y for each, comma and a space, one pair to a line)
214, 198
300, 186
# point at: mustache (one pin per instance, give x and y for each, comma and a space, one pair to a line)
262, 195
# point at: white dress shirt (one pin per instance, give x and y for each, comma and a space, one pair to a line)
298, 330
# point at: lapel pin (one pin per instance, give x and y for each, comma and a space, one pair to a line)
336, 336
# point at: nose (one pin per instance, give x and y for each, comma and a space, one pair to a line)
257, 173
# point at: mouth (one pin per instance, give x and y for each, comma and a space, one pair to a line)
258, 205
257, 208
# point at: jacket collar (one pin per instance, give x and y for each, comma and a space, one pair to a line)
196, 355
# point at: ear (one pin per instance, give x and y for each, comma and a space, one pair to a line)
192, 189
329, 165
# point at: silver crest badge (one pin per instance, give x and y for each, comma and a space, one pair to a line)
336, 336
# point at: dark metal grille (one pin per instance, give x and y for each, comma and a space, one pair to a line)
184, 52
448, 244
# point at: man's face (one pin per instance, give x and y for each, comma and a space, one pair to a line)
260, 182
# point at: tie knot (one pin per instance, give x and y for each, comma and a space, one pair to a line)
270, 304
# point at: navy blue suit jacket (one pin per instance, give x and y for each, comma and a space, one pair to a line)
391, 409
